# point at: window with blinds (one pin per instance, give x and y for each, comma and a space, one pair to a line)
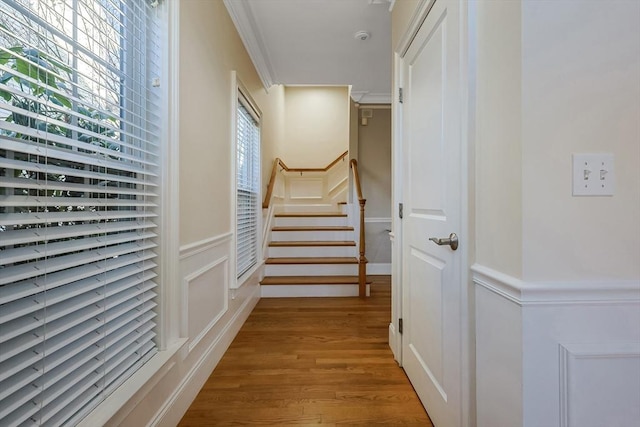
79, 134
247, 186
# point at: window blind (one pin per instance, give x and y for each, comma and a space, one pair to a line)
247, 187
79, 132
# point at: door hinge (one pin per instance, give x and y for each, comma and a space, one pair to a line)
400, 210
400, 96
400, 325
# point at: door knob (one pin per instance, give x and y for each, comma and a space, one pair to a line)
452, 241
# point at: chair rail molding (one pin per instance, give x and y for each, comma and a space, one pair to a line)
195, 248
556, 292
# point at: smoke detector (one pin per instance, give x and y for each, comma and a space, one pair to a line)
361, 35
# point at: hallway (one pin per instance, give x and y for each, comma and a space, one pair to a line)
311, 361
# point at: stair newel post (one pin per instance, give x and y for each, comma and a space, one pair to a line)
362, 262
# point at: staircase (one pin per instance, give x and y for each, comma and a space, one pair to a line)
311, 254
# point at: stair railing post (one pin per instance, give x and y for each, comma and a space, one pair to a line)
362, 261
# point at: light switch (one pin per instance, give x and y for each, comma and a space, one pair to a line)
593, 175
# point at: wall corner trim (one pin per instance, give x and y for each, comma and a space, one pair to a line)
556, 292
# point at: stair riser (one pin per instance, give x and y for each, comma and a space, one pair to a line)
310, 269
312, 251
310, 221
289, 236
291, 291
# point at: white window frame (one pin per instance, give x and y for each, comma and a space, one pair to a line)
171, 319
239, 94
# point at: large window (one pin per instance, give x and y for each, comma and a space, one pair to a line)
247, 186
79, 132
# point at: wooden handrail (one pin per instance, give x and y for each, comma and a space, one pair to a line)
324, 169
272, 182
279, 163
356, 175
362, 261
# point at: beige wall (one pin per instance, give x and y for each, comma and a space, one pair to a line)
498, 145
211, 47
272, 128
317, 125
580, 93
374, 162
354, 125
374, 166
536, 106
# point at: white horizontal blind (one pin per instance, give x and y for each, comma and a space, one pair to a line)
247, 187
79, 132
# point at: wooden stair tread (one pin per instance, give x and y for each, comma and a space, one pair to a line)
310, 215
312, 260
312, 228
312, 243
311, 280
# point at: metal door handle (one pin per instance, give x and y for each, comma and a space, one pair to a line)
452, 241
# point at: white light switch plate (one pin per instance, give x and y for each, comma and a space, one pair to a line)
593, 175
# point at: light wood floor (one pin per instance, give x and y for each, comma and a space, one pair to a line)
311, 361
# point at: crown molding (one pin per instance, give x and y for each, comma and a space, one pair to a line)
249, 31
364, 97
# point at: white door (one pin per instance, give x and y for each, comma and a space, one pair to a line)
431, 287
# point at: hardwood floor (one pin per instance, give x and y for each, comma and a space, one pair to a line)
311, 361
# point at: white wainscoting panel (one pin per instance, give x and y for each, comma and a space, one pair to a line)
498, 360
378, 245
208, 298
306, 188
205, 271
564, 354
599, 384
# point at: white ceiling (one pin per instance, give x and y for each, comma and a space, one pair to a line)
311, 42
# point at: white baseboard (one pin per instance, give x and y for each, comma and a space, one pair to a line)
177, 404
379, 268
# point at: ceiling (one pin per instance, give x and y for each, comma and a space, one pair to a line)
312, 42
